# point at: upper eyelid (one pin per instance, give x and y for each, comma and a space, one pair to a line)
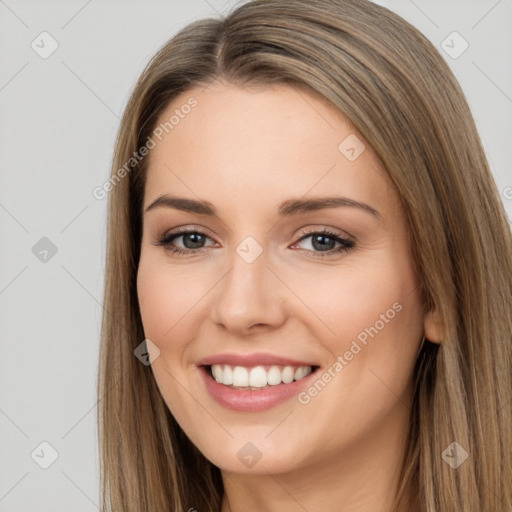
187, 229
333, 231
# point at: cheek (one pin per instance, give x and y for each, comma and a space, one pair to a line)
169, 298
378, 322
372, 318
376, 318
346, 301
156, 304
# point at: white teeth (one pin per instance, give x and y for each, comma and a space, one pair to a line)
287, 374
240, 377
227, 376
257, 377
301, 372
217, 373
274, 375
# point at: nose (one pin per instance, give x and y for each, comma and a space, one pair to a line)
250, 298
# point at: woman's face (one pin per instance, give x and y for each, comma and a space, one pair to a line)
294, 263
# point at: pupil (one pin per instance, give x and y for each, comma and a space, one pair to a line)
322, 245
196, 238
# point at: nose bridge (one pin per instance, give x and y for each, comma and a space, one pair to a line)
247, 295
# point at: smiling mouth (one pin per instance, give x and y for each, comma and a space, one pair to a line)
257, 377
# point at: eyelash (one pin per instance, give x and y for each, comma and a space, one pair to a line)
346, 245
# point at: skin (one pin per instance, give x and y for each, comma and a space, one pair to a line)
246, 150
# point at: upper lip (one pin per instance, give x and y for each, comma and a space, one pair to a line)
251, 360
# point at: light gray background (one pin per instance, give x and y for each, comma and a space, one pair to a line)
58, 121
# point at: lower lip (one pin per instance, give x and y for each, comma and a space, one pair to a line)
251, 400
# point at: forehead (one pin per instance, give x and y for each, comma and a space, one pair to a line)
269, 143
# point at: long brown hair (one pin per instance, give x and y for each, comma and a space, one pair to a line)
396, 89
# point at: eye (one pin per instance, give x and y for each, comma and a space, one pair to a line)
193, 241
323, 243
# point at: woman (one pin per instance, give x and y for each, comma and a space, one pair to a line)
308, 300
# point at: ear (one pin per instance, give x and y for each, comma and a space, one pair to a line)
433, 327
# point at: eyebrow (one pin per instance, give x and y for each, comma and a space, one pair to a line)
287, 208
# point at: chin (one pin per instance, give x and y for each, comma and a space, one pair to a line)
258, 456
